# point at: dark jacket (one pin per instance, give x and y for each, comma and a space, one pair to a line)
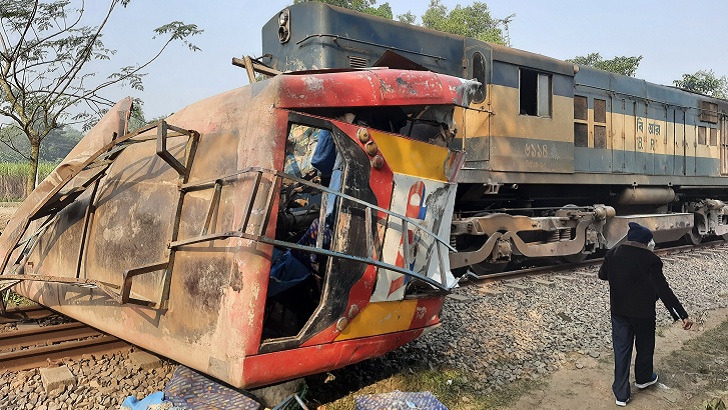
636, 282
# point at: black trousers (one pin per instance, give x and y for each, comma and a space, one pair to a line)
628, 331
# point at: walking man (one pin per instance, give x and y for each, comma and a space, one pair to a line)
636, 282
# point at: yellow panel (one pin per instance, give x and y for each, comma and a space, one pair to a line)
410, 157
379, 318
507, 122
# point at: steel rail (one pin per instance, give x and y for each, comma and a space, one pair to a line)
18, 314
42, 356
45, 335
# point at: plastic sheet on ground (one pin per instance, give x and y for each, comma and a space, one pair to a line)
398, 400
192, 390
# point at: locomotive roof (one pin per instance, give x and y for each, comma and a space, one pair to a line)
316, 23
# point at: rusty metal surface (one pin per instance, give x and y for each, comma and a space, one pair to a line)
139, 246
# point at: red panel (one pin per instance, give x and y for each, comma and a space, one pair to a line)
427, 313
271, 368
368, 88
380, 181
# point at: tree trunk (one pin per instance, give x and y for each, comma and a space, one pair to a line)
33, 172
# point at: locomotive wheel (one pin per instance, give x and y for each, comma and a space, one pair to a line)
488, 268
692, 237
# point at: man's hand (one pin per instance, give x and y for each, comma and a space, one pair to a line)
687, 323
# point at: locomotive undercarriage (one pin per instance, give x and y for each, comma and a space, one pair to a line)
531, 222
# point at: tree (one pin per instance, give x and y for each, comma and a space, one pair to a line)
471, 21
362, 6
619, 65
407, 17
56, 145
704, 82
45, 49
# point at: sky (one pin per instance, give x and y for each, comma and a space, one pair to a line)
673, 36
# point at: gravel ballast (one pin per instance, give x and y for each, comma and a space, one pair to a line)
495, 333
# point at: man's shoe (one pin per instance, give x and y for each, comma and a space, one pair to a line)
622, 403
648, 384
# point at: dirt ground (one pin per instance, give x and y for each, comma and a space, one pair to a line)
686, 380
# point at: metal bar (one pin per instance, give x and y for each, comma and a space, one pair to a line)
214, 205
257, 66
272, 194
88, 216
405, 243
204, 184
441, 260
248, 64
129, 274
7, 286
251, 202
191, 149
368, 232
162, 150
319, 251
336, 37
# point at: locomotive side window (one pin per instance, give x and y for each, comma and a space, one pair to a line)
581, 124
600, 116
479, 75
701, 136
535, 93
581, 108
713, 137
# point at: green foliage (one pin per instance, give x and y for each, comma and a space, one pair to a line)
619, 65
471, 21
14, 146
362, 6
407, 17
704, 82
44, 50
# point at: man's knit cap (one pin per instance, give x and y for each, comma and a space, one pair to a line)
638, 233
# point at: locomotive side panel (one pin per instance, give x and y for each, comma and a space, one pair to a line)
530, 127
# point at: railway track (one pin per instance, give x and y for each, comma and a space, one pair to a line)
35, 346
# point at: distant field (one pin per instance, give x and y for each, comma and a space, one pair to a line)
13, 177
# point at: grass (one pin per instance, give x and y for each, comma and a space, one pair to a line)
702, 361
452, 387
13, 177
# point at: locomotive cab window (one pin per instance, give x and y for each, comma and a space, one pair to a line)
535, 93
479, 75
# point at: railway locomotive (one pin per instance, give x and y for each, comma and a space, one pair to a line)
260, 235
559, 157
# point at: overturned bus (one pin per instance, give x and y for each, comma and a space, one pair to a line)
302, 220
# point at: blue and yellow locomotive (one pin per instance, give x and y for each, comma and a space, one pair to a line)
559, 157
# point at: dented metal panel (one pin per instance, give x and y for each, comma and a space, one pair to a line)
166, 237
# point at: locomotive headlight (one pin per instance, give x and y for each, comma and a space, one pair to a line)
284, 26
